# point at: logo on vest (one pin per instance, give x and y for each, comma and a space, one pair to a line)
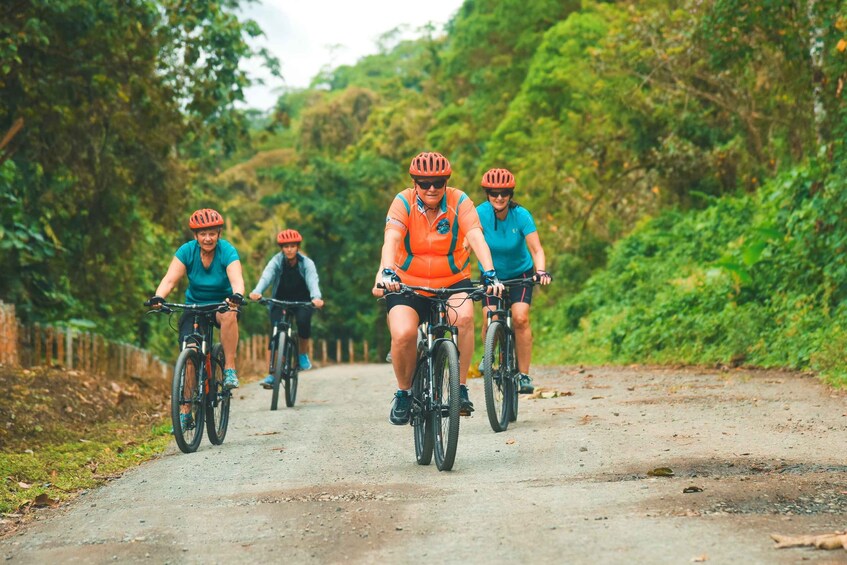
443, 226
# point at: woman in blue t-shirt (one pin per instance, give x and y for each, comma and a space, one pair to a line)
214, 275
516, 249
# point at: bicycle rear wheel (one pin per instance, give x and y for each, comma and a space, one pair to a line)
495, 377
421, 422
278, 357
217, 399
445, 404
292, 370
186, 391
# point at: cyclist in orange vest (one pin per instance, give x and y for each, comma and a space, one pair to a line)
422, 246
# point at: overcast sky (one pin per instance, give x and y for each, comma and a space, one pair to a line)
306, 35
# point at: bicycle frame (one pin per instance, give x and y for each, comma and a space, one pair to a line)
503, 384
194, 383
436, 409
283, 364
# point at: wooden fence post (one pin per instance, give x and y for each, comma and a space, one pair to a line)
351, 350
323, 351
69, 349
338, 351
367, 357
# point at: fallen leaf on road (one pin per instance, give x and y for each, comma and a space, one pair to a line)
687, 490
543, 392
44, 500
510, 441
661, 472
700, 558
835, 540
597, 397
264, 434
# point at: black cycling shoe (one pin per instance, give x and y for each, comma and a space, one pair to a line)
525, 384
401, 409
466, 406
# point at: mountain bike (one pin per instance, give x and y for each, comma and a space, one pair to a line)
198, 380
284, 364
500, 362
435, 385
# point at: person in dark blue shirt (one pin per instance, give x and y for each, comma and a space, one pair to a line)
512, 237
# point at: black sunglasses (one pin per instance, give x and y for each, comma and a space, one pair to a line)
496, 193
427, 184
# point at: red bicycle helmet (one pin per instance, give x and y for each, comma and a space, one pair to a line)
205, 218
498, 178
288, 236
428, 164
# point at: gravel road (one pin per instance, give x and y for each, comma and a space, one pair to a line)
331, 481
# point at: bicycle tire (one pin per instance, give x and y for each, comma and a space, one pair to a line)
217, 399
187, 442
421, 421
446, 403
496, 377
291, 374
278, 356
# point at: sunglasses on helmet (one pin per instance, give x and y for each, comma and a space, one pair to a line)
427, 184
498, 193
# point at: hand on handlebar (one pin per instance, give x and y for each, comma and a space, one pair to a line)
492, 283
234, 300
543, 277
155, 301
390, 280
255, 296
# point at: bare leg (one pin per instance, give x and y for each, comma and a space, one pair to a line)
463, 319
403, 324
523, 335
229, 337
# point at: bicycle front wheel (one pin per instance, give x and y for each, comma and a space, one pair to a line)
496, 377
292, 370
445, 404
187, 401
217, 398
421, 422
278, 356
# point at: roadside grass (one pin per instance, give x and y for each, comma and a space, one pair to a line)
62, 432
53, 473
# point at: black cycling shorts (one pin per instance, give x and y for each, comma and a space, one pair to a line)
420, 304
516, 293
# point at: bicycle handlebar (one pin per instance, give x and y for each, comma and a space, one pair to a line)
531, 281
169, 307
286, 303
474, 293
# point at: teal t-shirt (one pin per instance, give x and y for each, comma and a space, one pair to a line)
507, 239
207, 286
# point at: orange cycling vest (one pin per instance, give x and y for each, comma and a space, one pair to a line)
432, 253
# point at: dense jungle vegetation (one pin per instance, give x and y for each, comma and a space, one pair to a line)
684, 161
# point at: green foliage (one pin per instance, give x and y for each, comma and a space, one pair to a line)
682, 162
740, 281
93, 181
